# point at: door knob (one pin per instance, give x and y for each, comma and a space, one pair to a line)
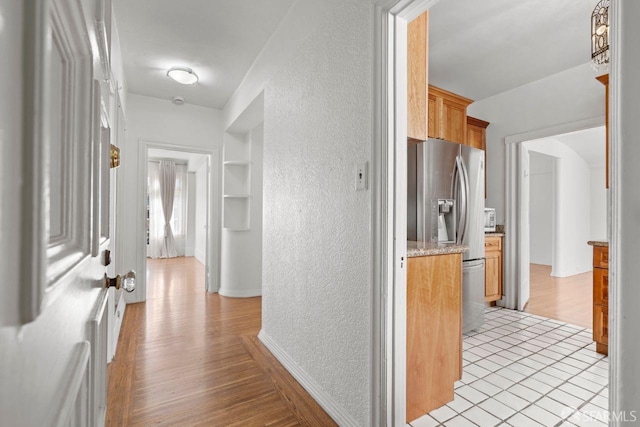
128, 282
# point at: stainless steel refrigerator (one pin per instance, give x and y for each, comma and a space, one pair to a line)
440, 172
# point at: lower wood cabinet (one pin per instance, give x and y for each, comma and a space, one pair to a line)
492, 268
601, 298
434, 331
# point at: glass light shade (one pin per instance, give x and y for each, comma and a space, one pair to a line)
183, 75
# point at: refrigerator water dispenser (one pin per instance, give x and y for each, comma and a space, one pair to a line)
443, 229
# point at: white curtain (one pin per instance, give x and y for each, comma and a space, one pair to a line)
166, 204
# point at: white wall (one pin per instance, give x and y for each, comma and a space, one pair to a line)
200, 217
316, 247
569, 96
154, 119
541, 192
598, 205
570, 254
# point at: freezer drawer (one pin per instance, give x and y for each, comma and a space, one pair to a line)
472, 295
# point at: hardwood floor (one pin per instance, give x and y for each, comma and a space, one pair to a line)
187, 358
569, 299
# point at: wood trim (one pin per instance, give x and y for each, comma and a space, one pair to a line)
477, 122
604, 79
450, 95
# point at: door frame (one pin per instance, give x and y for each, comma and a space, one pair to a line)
517, 239
388, 209
212, 269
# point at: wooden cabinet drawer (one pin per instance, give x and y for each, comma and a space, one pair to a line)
601, 324
492, 243
601, 256
601, 286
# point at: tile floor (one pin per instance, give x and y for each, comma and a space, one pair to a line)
526, 370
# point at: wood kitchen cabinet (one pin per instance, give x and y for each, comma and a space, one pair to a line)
601, 298
604, 79
477, 138
417, 71
434, 331
492, 268
477, 133
447, 115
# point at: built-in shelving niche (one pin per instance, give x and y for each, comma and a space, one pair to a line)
237, 184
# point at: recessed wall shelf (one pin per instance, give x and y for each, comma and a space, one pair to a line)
237, 185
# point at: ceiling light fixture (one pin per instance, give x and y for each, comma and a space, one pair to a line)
600, 36
183, 75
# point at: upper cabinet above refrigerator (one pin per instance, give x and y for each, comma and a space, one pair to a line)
417, 77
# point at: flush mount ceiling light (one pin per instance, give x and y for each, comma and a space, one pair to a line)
600, 36
183, 75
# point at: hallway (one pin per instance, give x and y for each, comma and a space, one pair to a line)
186, 357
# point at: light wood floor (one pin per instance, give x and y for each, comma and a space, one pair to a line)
568, 299
188, 358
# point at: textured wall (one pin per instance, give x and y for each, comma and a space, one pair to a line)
316, 241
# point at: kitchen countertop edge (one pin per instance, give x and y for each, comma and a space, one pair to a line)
418, 249
598, 243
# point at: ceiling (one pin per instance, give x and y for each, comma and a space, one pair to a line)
476, 48
481, 48
588, 143
218, 39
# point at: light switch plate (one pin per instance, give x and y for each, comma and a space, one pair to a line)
362, 176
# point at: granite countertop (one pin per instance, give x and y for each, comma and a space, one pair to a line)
598, 243
494, 234
417, 249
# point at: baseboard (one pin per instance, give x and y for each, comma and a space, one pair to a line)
322, 397
242, 293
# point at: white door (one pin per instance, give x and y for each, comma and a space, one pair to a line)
53, 215
523, 220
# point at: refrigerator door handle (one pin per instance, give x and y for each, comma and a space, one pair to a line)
465, 187
458, 193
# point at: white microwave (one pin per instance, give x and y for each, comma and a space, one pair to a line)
489, 220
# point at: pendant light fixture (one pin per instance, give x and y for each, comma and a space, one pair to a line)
600, 36
183, 75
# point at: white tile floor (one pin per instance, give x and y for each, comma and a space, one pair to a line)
525, 370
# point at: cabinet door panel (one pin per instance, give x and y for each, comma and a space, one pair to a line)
601, 324
434, 331
454, 119
601, 286
492, 275
417, 69
432, 108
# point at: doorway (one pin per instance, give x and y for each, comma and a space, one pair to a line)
565, 197
193, 216
176, 200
